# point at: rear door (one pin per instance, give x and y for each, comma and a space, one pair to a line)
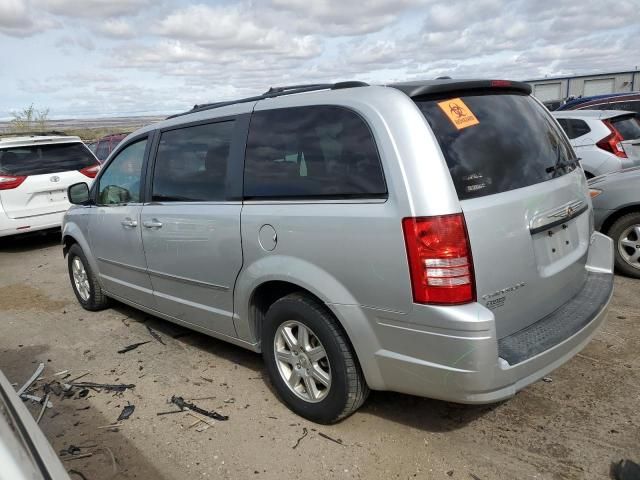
524, 201
48, 170
115, 230
191, 226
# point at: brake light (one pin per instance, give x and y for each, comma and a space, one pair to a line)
611, 143
9, 182
500, 83
440, 260
91, 171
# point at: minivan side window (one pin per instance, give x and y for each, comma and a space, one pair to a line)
191, 163
311, 152
120, 181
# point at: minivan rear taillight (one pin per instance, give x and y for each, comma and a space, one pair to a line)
9, 182
611, 143
91, 171
440, 260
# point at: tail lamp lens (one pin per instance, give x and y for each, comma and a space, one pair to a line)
91, 171
440, 260
9, 182
612, 143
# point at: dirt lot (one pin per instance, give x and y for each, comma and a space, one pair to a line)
570, 428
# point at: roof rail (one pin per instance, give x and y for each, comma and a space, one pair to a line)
275, 92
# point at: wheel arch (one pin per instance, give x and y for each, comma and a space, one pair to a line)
611, 219
267, 280
72, 234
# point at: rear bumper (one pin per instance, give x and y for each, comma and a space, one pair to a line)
453, 354
13, 226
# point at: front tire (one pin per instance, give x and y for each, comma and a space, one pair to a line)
625, 233
84, 283
310, 361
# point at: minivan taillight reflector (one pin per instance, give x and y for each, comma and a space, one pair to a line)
9, 182
611, 143
91, 171
440, 262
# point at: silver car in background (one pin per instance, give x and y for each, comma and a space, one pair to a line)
433, 238
616, 207
604, 140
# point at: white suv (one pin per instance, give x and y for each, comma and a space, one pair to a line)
35, 172
605, 140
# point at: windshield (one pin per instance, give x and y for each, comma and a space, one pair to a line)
496, 142
43, 159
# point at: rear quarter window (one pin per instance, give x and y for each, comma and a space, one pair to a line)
311, 152
513, 143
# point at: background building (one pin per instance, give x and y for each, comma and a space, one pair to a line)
553, 91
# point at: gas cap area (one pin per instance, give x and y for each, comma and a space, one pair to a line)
268, 238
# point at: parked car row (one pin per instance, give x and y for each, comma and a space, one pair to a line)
433, 238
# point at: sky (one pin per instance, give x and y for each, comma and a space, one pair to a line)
92, 58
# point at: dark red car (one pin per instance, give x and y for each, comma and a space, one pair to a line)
104, 146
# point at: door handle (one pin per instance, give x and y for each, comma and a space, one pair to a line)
129, 223
152, 223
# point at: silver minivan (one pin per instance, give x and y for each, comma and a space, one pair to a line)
433, 238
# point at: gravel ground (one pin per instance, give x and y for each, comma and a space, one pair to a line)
570, 428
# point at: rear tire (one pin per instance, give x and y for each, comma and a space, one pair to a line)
625, 233
84, 283
285, 354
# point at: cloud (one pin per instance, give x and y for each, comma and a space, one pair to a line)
232, 27
17, 20
93, 8
83, 42
339, 17
117, 28
208, 50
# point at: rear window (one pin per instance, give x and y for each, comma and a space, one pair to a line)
311, 152
43, 159
494, 143
628, 127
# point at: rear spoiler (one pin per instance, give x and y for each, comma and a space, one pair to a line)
436, 87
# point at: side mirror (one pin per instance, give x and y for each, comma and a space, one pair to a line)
78, 194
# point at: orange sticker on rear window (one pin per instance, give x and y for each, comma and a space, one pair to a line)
458, 112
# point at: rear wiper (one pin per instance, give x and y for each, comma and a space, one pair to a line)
561, 163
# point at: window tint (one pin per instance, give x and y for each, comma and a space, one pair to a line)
574, 128
43, 159
629, 127
514, 142
191, 163
102, 151
317, 151
120, 181
564, 123
579, 128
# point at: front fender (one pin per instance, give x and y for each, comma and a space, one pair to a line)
71, 230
